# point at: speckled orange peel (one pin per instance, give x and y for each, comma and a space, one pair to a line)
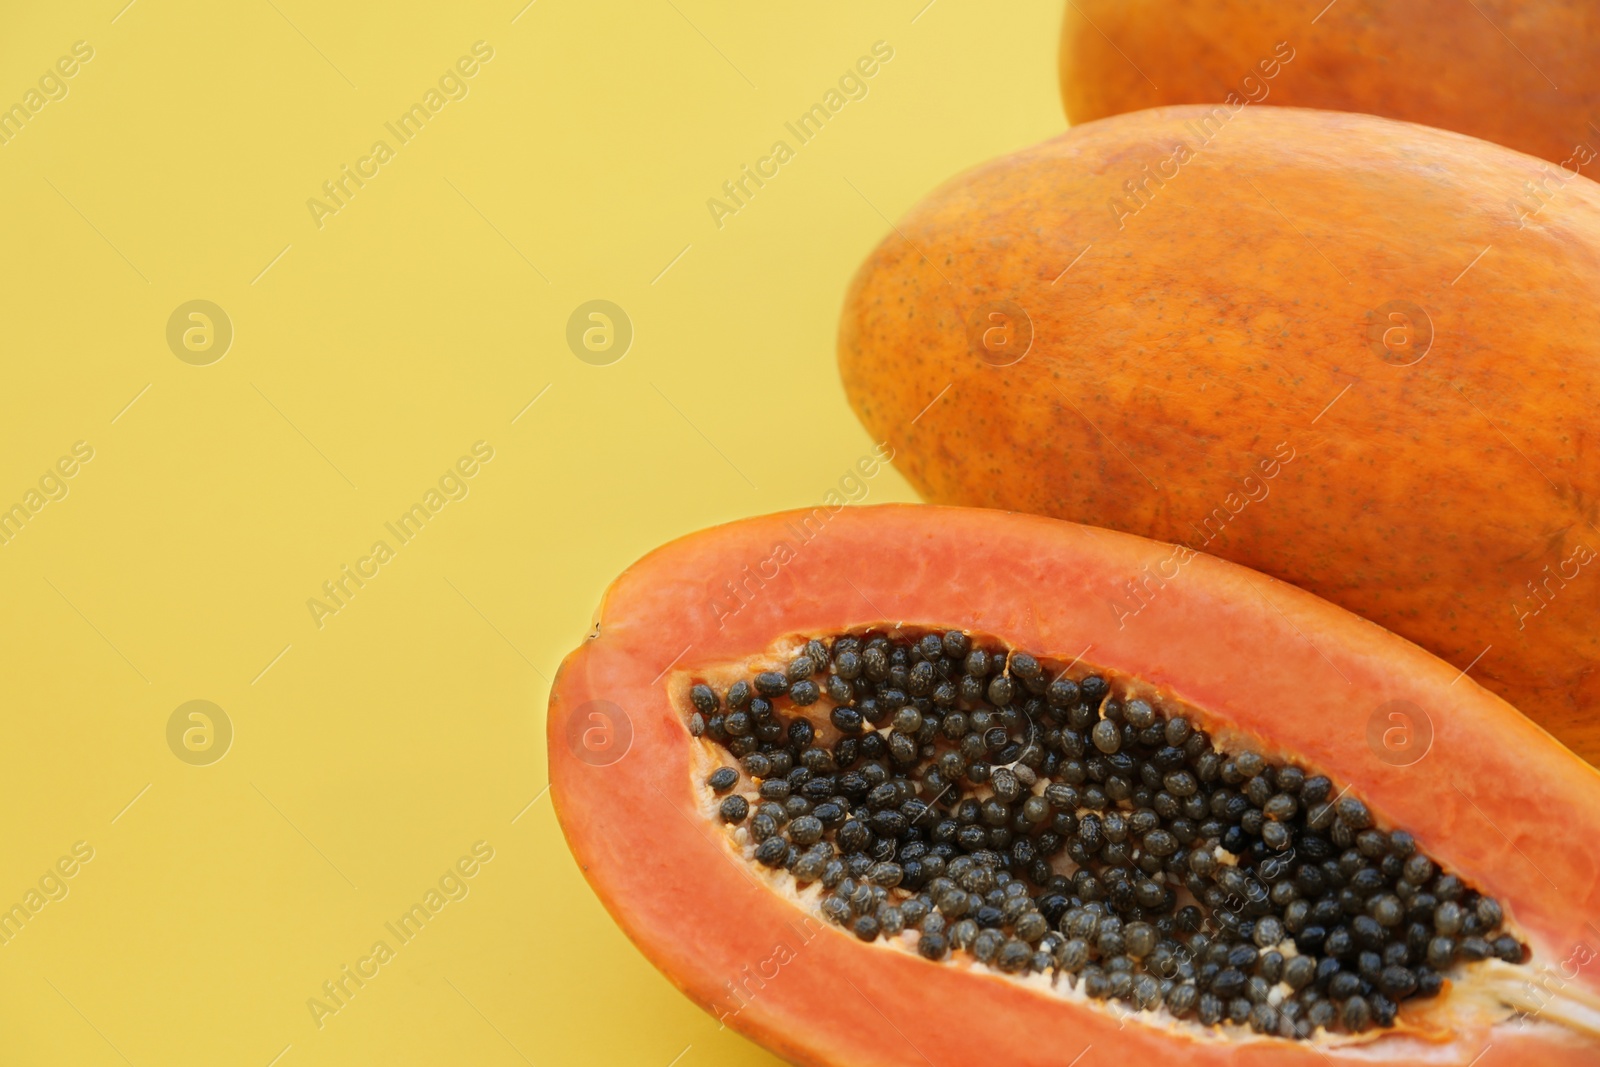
1327, 346
1522, 73
1253, 660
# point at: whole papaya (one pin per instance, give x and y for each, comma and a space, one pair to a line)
1523, 73
1360, 355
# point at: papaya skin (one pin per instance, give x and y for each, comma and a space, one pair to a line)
1522, 73
1220, 367
1267, 663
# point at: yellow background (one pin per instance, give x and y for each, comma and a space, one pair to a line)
372, 752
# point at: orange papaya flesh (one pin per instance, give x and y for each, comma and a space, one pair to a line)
1265, 669
1330, 347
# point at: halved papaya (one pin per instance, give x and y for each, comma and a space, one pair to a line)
1356, 354
880, 786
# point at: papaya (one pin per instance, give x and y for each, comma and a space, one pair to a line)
1322, 345
1516, 72
883, 786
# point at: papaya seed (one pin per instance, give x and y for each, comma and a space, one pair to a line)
1017, 818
